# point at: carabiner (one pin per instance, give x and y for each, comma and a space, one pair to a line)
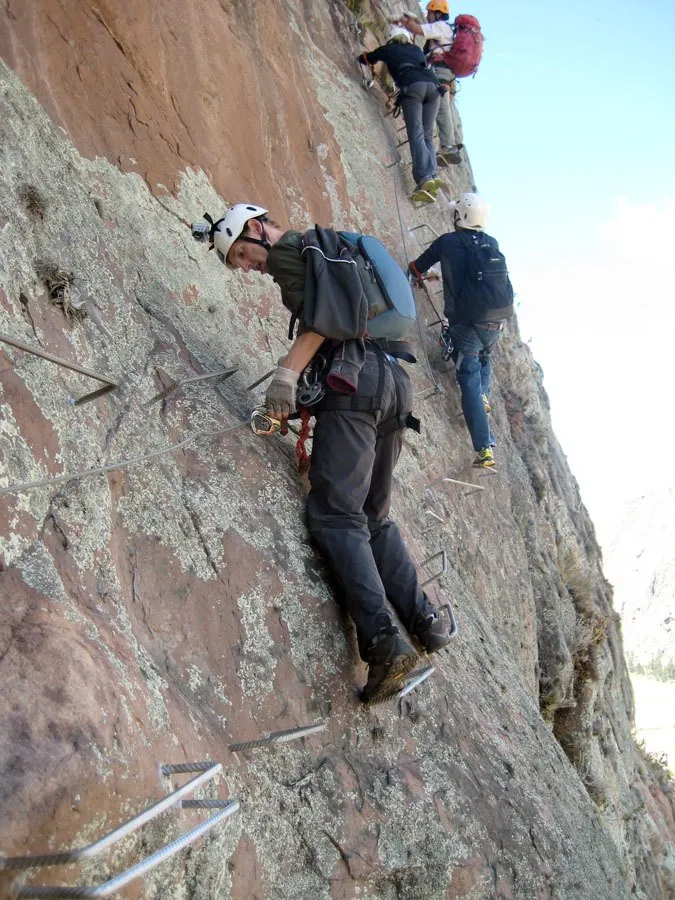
263, 423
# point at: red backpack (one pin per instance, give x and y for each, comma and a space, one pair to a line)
463, 58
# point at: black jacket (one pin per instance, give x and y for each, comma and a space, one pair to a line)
405, 62
450, 251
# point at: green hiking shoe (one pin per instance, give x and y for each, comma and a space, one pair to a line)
486, 403
425, 193
431, 185
485, 459
390, 658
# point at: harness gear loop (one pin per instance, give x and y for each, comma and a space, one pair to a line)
300, 450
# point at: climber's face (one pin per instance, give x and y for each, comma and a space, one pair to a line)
246, 256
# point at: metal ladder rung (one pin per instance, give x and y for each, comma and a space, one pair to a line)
119, 881
447, 480
444, 566
414, 682
59, 859
278, 737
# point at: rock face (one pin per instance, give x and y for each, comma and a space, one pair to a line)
159, 612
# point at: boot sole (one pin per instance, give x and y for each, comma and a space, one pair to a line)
392, 684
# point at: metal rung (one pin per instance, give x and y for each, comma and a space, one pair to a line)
417, 680
444, 566
221, 375
278, 737
453, 622
204, 804
141, 868
424, 395
424, 225
439, 481
109, 384
185, 768
58, 859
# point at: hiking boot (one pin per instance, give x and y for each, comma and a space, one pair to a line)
485, 459
449, 156
486, 403
390, 658
429, 632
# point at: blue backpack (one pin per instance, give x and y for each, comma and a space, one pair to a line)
391, 305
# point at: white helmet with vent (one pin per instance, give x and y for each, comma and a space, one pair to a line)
228, 229
399, 34
471, 212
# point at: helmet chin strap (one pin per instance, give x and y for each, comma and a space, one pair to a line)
249, 240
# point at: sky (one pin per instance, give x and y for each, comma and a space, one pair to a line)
570, 128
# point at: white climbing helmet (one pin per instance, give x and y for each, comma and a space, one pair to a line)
471, 212
229, 227
399, 34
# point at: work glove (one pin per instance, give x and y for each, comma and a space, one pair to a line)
280, 396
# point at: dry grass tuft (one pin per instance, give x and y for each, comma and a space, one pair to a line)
60, 283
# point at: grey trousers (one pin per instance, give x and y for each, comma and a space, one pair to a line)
419, 105
447, 120
353, 459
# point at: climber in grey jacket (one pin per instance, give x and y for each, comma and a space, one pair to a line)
357, 440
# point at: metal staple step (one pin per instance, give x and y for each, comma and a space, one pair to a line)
225, 808
278, 737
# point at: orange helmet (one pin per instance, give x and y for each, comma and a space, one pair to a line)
441, 6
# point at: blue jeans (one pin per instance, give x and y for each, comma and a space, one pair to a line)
419, 105
473, 344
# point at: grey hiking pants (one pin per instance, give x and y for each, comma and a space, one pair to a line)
419, 105
447, 119
353, 458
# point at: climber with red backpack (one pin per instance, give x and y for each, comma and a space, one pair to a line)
353, 304
454, 50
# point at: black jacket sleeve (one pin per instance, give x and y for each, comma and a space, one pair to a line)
450, 251
430, 257
373, 56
